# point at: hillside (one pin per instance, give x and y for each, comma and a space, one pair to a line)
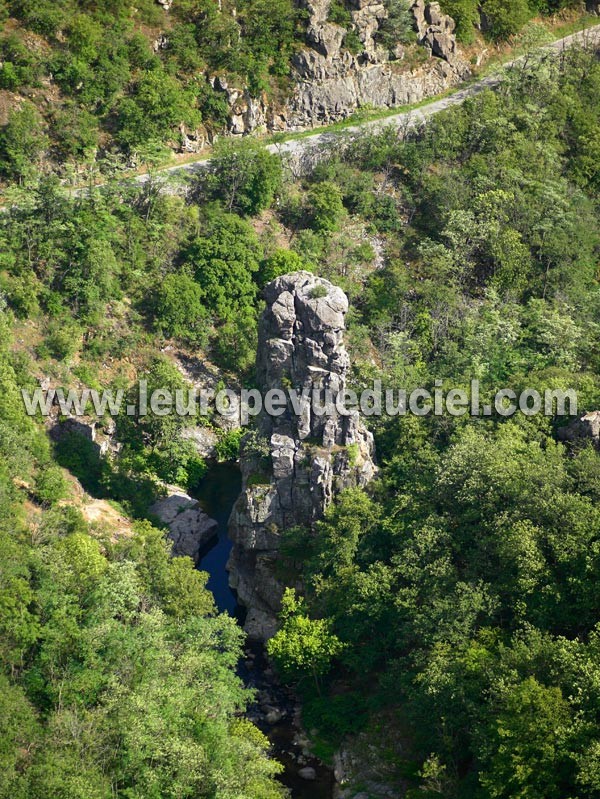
425, 586
108, 84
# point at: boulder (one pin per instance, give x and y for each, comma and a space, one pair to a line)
190, 529
326, 38
204, 440
587, 427
307, 773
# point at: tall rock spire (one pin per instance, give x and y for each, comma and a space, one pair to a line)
295, 463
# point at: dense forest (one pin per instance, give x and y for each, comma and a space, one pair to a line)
454, 605
461, 595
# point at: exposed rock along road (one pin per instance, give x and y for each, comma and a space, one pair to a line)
302, 147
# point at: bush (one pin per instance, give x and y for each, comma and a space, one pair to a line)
245, 177
41, 16
339, 14
157, 105
504, 18
466, 15
50, 486
398, 27
9, 76
179, 311
318, 292
22, 142
335, 716
63, 339
282, 262
228, 446
75, 131
325, 206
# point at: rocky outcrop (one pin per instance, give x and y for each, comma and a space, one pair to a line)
296, 462
333, 97
436, 30
204, 439
330, 82
190, 529
367, 16
99, 434
586, 428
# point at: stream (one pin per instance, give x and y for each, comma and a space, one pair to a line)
276, 711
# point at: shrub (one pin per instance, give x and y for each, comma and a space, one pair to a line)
466, 15
228, 446
63, 339
245, 177
398, 27
282, 262
325, 206
22, 142
317, 292
50, 485
178, 309
9, 76
504, 18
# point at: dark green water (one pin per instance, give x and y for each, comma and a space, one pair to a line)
217, 493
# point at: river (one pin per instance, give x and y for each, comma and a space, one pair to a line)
217, 493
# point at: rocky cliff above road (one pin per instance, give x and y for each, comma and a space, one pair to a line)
294, 464
329, 82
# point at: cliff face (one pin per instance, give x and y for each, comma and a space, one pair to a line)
329, 82
296, 463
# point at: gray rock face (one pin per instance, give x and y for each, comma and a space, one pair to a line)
330, 83
204, 440
101, 436
586, 427
190, 528
304, 457
436, 30
330, 92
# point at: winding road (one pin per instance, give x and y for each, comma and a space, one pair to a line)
300, 148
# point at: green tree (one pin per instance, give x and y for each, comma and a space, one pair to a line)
224, 260
22, 142
466, 15
505, 17
178, 310
527, 751
302, 645
245, 176
281, 262
325, 206
397, 27
157, 105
